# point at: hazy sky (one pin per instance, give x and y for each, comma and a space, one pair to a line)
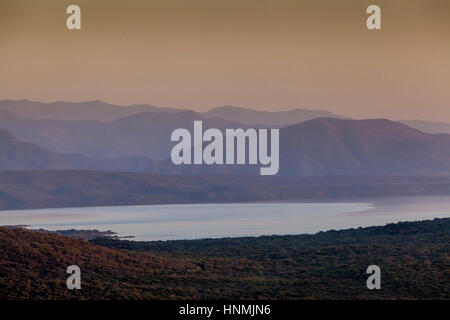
264, 54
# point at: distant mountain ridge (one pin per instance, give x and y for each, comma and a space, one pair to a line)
428, 126
143, 134
18, 155
101, 111
329, 146
319, 147
76, 111
269, 118
104, 112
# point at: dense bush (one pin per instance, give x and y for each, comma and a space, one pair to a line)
414, 258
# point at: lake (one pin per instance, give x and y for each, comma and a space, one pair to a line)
195, 221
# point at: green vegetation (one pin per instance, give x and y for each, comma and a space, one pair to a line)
414, 258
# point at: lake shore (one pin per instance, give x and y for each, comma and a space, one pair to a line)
413, 257
197, 221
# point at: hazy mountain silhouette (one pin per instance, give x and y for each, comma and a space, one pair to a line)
105, 112
330, 147
18, 155
428, 126
269, 118
75, 111
144, 134
102, 111
317, 147
351, 147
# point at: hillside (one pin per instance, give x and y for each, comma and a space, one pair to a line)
19, 155
413, 258
329, 146
71, 188
33, 266
143, 134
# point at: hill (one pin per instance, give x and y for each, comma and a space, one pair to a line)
72, 188
141, 143
268, 118
413, 258
33, 266
19, 155
143, 134
329, 146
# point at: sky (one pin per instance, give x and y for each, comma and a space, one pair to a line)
263, 54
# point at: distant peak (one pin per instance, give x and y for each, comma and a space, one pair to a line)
5, 134
228, 107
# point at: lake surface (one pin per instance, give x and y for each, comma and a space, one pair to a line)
194, 221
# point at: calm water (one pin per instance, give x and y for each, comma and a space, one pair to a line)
193, 221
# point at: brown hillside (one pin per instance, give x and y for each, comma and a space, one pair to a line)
33, 265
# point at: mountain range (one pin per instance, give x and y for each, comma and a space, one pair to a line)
268, 118
76, 111
329, 146
19, 155
318, 147
104, 112
143, 134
